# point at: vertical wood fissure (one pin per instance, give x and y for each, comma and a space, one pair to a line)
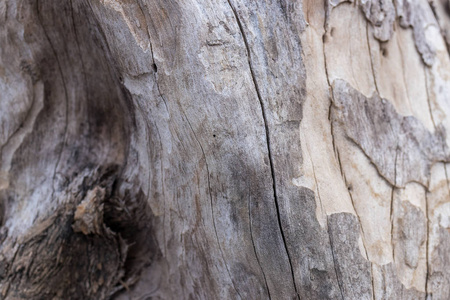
266, 126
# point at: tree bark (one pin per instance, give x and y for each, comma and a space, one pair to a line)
224, 149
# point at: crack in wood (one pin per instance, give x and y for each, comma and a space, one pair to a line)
267, 139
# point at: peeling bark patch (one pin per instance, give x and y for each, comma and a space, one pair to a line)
381, 14
410, 233
418, 15
353, 271
328, 264
386, 279
401, 148
439, 274
412, 13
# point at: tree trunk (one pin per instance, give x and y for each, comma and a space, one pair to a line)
224, 149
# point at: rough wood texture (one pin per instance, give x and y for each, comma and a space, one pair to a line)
224, 149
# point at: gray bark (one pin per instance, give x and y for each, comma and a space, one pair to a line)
224, 149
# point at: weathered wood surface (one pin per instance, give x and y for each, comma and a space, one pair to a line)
224, 149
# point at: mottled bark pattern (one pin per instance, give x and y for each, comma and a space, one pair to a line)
227, 149
401, 148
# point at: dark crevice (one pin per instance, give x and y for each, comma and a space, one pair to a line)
266, 126
127, 218
130, 217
